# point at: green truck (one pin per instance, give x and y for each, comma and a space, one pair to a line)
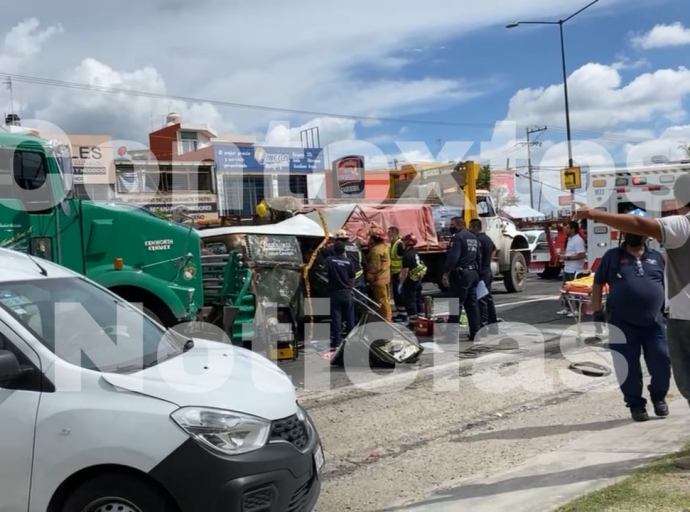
141, 258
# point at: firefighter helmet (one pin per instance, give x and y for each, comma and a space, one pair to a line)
410, 240
341, 234
377, 232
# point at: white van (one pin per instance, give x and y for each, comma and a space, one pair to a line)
93, 423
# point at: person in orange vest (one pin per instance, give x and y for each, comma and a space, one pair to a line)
378, 270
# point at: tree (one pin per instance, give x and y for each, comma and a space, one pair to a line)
484, 179
684, 147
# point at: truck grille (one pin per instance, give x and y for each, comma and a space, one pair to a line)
291, 429
213, 274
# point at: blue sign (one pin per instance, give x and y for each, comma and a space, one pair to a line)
231, 158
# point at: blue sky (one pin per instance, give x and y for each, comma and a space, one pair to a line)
436, 61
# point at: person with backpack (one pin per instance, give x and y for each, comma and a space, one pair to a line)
411, 276
634, 273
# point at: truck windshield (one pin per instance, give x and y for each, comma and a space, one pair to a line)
87, 326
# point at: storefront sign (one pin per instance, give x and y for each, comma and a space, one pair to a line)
200, 207
231, 158
349, 174
92, 158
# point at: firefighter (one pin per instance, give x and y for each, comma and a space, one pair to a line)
461, 275
378, 272
354, 254
411, 275
396, 254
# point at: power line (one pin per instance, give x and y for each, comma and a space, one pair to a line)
188, 99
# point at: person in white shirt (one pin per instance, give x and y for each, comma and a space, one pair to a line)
674, 233
573, 259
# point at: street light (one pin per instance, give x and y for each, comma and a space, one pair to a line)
560, 24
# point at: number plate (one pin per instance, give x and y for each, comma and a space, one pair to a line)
319, 459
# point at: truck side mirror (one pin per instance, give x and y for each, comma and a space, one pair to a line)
9, 366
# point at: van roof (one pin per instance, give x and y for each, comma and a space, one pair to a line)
18, 266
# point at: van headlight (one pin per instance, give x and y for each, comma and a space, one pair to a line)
223, 432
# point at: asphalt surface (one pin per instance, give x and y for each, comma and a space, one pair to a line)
535, 309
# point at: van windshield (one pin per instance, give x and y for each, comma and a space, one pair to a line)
87, 326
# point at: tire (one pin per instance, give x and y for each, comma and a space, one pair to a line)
515, 279
111, 491
153, 315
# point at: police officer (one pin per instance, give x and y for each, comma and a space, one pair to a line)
487, 308
410, 287
341, 276
396, 254
461, 274
635, 275
354, 253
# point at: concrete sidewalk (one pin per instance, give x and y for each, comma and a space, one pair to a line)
555, 478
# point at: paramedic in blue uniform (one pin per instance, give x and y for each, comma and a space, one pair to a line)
341, 278
634, 310
461, 275
487, 308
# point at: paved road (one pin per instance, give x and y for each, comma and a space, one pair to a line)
535, 307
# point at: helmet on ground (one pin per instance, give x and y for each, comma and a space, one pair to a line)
410, 240
341, 234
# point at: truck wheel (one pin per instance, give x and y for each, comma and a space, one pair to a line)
515, 278
117, 492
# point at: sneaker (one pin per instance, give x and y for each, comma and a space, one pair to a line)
563, 312
570, 315
639, 413
661, 408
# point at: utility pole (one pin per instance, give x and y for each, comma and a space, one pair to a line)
8, 83
529, 132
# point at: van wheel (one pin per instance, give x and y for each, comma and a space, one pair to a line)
121, 493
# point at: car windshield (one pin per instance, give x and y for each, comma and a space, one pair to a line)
87, 326
531, 237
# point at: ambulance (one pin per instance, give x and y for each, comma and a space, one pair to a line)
649, 188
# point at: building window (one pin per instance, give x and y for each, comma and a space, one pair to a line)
292, 185
241, 194
184, 180
188, 142
135, 181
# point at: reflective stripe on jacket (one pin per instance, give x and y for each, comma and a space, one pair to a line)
396, 260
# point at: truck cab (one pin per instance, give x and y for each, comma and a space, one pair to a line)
145, 260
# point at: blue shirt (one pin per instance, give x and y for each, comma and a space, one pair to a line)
463, 252
636, 287
341, 272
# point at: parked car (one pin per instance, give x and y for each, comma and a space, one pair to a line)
104, 410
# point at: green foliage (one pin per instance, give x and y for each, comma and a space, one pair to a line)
484, 180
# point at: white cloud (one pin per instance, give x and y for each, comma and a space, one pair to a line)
238, 53
663, 36
599, 100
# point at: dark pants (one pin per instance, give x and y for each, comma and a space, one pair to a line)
342, 311
397, 298
463, 286
628, 342
487, 308
679, 347
412, 295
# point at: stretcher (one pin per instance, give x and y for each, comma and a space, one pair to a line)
378, 341
577, 294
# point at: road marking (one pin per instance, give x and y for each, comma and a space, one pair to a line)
527, 301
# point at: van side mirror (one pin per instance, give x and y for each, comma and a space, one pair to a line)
10, 368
